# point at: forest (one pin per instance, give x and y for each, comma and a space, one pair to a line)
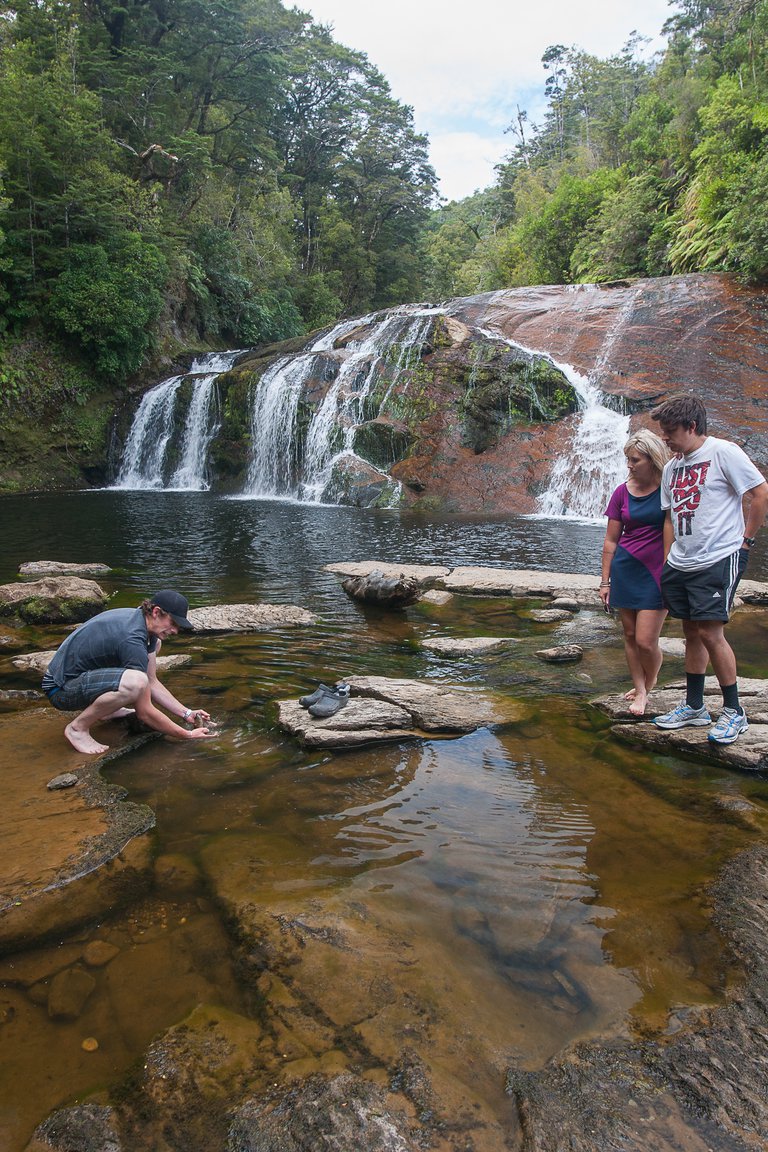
178, 175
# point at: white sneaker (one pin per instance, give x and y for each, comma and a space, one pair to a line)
729, 727
684, 717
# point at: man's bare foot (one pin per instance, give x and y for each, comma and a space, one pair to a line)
637, 707
83, 741
631, 694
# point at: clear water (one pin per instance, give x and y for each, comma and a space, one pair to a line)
534, 885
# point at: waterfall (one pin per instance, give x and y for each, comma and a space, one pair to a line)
593, 464
146, 459
585, 475
302, 464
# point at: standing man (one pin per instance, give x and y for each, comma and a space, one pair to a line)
707, 546
108, 666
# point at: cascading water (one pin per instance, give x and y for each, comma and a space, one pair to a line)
583, 478
145, 462
287, 464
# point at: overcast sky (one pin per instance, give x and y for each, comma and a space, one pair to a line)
464, 68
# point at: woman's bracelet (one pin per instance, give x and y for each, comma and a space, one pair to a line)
605, 583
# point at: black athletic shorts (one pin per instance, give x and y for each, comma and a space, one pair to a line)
707, 594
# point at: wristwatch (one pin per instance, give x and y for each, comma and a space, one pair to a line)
749, 541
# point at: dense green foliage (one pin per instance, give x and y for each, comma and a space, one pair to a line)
226, 172
638, 168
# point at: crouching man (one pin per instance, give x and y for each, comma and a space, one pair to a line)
108, 667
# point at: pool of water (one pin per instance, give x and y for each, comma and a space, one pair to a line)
519, 889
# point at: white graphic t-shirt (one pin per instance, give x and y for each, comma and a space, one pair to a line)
703, 490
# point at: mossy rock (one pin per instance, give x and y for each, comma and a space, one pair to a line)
382, 444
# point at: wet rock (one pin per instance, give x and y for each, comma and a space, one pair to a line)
549, 615
84, 1128
672, 646
562, 654
359, 722
249, 617
176, 874
54, 600
381, 708
37, 568
566, 604
98, 953
13, 694
344, 1112
69, 992
470, 645
392, 592
65, 780
425, 574
96, 852
435, 596
749, 753
702, 1089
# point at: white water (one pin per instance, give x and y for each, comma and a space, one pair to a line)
593, 462
283, 464
144, 463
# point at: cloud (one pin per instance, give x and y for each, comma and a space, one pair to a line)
464, 74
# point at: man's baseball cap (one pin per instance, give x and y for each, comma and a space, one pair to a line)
175, 605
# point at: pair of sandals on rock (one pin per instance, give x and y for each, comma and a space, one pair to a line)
325, 701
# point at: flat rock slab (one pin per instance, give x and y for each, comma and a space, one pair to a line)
248, 617
425, 574
66, 855
358, 722
381, 708
38, 661
58, 568
748, 753
52, 600
471, 645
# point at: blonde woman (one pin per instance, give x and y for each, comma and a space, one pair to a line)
633, 556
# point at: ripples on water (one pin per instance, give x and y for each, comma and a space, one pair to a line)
532, 889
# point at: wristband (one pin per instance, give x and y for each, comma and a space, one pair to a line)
187, 713
749, 541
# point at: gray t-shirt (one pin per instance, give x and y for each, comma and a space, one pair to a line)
114, 639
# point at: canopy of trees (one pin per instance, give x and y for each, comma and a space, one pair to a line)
638, 168
224, 170
227, 172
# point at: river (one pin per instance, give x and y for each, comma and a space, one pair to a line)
539, 882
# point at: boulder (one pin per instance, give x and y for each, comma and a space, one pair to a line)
386, 591
249, 617
52, 600
549, 615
